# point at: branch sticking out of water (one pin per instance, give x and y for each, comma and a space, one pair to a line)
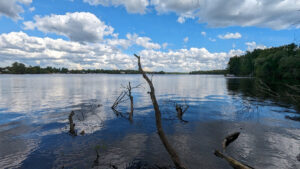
229, 139
121, 98
72, 124
175, 158
181, 109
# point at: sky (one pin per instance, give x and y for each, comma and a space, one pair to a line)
169, 35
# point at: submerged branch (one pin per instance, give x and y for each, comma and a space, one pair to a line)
234, 163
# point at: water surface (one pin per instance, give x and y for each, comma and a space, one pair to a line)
34, 113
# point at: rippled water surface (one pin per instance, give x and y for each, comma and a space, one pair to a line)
34, 113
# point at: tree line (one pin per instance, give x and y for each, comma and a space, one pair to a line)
214, 72
20, 68
273, 63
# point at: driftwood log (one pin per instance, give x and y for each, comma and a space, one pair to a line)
175, 158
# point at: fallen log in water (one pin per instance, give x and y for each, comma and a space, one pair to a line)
234, 163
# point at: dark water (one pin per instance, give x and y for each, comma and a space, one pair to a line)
34, 113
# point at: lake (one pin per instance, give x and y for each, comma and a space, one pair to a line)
34, 112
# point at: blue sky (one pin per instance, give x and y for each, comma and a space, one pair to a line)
169, 35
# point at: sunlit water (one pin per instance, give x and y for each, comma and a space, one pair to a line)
34, 113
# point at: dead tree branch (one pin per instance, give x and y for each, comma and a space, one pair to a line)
234, 163
175, 158
72, 124
181, 109
121, 98
118, 100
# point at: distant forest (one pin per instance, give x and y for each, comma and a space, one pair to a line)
214, 72
20, 68
273, 63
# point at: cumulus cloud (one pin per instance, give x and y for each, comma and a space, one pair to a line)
13, 8
252, 45
145, 42
18, 46
230, 36
77, 26
275, 14
186, 59
203, 33
132, 6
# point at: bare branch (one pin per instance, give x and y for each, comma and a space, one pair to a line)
234, 163
175, 158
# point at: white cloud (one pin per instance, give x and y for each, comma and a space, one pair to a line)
181, 19
78, 26
124, 43
13, 8
132, 6
18, 46
275, 14
143, 41
203, 33
230, 36
186, 59
186, 39
32, 9
252, 45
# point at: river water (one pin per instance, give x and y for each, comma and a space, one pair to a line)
34, 113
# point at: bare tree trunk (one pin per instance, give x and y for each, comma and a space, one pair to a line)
131, 103
175, 158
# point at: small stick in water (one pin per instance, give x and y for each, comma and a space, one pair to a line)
229, 139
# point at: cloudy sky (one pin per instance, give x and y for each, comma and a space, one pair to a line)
170, 35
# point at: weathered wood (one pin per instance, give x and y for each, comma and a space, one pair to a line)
175, 158
180, 112
131, 102
229, 139
234, 163
72, 124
